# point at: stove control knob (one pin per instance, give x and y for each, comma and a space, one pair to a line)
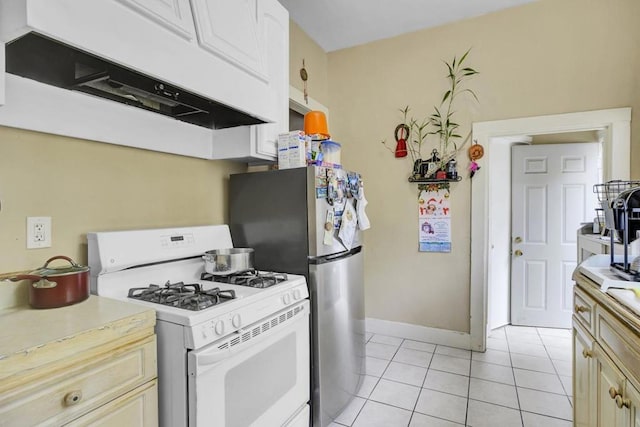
297, 294
286, 299
219, 328
236, 321
204, 333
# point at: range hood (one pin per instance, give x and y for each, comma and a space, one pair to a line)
43, 59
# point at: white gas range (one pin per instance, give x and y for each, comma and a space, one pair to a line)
241, 358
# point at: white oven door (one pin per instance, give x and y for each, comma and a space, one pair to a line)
258, 377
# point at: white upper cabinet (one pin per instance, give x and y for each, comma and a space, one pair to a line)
232, 53
259, 143
230, 30
175, 15
275, 33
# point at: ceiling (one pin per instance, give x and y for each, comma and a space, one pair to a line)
338, 24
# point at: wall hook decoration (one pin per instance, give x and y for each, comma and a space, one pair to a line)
476, 151
401, 135
304, 76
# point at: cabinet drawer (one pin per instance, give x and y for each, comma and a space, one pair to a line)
584, 309
619, 342
72, 392
138, 408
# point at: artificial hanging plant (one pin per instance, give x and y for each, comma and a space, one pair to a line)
442, 120
440, 123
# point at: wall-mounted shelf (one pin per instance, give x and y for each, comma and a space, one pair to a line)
434, 180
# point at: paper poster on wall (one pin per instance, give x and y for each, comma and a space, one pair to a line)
434, 218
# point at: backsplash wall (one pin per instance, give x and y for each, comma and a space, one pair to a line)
89, 186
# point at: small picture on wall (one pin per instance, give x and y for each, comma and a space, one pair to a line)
434, 219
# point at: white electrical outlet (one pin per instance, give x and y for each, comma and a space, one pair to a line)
38, 232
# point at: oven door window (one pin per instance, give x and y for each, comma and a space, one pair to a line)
261, 379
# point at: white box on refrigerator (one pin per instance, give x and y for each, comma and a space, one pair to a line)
283, 151
297, 149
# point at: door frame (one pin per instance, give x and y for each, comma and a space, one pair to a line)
615, 127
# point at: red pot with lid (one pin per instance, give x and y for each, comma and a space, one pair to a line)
53, 287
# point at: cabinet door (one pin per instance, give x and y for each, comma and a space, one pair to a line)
174, 15
632, 401
583, 383
230, 29
259, 143
610, 383
274, 24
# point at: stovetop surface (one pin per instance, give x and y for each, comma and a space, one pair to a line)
117, 285
189, 296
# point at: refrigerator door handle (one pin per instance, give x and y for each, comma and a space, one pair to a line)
334, 257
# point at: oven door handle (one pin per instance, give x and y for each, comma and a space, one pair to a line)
211, 357
214, 357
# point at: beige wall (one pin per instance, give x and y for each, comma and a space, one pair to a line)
88, 186
301, 46
548, 57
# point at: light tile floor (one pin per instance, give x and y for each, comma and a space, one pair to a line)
522, 380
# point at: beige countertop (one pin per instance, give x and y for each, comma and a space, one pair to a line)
619, 302
31, 339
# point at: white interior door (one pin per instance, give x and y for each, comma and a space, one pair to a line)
552, 193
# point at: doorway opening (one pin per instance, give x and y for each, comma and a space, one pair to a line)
614, 130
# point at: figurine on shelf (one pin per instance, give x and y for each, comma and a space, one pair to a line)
452, 172
426, 168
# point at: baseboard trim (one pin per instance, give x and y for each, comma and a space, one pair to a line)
419, 333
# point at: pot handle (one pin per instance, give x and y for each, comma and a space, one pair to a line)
66, 258
36, 281
32, 277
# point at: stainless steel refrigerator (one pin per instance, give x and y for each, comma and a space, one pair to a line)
282, 215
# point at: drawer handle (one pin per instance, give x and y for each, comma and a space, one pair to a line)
620, 402
581, 308
586, 353
613, 392
73, 397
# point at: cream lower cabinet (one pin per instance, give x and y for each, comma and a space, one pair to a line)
618, 400
633, 396
606, 361
92, 363
609, 390
119, 385
583, 378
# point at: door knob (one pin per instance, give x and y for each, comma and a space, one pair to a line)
518, 239
518, 252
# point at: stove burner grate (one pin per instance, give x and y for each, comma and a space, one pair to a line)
188, 296
252, 278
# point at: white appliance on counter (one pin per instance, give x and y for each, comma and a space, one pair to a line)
598, 269
237, 355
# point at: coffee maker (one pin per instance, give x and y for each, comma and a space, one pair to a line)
622, 218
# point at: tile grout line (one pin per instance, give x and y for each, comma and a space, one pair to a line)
513, 372
555, 369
